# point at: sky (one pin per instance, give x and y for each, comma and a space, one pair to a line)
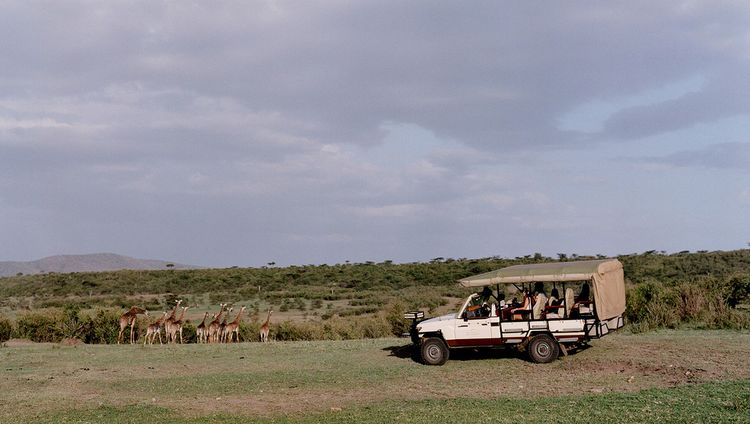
224, 133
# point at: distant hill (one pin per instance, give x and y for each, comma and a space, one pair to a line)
85, 263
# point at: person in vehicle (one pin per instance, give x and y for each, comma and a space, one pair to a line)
480, 306
553, 301
583, 302
584, 295
518, 313
554, 297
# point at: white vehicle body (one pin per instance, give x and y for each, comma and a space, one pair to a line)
504, 326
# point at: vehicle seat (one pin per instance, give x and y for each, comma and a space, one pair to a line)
570, 299
539, 305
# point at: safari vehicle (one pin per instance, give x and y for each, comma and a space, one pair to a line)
542, 326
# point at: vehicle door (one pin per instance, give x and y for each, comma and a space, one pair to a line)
474, 329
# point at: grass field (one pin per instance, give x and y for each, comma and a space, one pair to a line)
680, 376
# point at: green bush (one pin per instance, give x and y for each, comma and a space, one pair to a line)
6, 329
295, 331
41, 326
102, 327
395, 317
738, 289
249, 331
188, 332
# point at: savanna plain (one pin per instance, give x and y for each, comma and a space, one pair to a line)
682, 357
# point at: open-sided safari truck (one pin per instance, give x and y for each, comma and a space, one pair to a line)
554, 311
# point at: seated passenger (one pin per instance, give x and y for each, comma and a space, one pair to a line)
553, 301
584, 295
582, 303
526, 306
554, 298
551, 312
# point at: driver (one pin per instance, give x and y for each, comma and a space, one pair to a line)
480, 304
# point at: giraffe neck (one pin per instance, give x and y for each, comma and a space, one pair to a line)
182, 314
174, 311
239, 315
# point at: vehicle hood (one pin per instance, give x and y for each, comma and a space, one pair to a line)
435, 320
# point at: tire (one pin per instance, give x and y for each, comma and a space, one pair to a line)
434, 351
543, 348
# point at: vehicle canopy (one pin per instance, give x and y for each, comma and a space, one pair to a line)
605, 275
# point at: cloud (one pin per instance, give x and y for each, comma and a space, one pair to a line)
152, 125
726, 156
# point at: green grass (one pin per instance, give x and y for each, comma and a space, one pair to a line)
723, 402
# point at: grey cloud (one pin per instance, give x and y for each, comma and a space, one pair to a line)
143, 127
482, 75
724, 96
727, 156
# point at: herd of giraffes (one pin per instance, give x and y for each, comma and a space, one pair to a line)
214, 331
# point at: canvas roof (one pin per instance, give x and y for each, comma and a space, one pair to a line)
552, 271
606, 275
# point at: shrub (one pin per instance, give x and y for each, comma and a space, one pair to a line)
102, 327
395, 318
291, 331
738, 289
188, 332
6, 329
41, 326
249, 332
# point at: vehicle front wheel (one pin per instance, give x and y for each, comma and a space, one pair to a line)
543, 348
434, 351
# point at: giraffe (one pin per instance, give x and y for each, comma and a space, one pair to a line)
169, 322
233, 328
264, 329
128, 319
213, 327
222, 335
177, 325
155, 329
200, 330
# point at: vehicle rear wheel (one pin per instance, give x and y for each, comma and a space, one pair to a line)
434, 351
543, 348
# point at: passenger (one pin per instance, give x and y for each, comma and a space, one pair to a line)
582, 303
584, 295
554, 300
526, 306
